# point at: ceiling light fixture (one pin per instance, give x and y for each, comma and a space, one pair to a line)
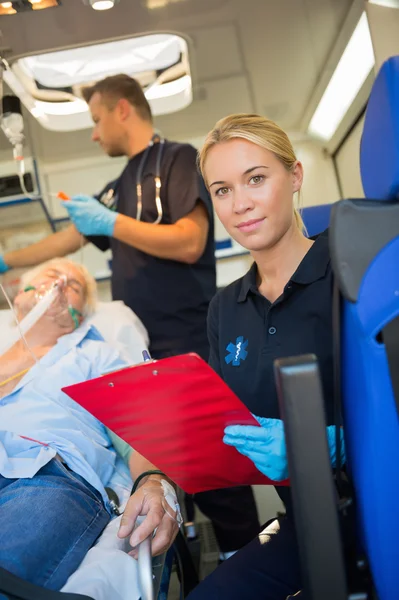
6, 8
19, 6
354, 67
102, 4
43, 82
387, 3
155, 4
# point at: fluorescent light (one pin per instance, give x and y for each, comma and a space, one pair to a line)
41, 4
169, 89
387, 3
59, 108
352, 71
102, 4
76, 66
155, 4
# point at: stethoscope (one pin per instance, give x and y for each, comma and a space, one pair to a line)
110, 197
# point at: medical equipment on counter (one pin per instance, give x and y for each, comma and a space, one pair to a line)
12, 125
11, 122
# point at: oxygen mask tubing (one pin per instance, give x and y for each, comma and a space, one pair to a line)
47, 303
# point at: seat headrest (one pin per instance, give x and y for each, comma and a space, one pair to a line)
379, 148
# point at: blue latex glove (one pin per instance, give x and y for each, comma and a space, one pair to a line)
265, 445
333, 447
3, 267
89, 216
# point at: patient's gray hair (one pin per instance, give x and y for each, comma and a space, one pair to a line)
91, 286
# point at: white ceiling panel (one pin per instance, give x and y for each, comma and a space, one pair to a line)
286, 44
263, 55
216, 51
216, 99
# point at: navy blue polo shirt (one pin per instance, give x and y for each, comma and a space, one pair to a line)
170, 297
247, 333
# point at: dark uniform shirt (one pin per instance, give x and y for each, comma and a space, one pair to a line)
247, 333
170, 297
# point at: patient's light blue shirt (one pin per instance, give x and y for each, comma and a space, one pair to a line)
39, 410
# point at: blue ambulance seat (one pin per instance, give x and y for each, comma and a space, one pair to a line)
316, 218
364, 239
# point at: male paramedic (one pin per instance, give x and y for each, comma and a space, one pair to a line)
55, 458
158, 220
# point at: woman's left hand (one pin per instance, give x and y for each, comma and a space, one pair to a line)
264, 445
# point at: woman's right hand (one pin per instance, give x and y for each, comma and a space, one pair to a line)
264, 445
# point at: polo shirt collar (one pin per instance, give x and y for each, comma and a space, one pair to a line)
312, 267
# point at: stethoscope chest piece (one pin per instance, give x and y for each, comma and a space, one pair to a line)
109, 199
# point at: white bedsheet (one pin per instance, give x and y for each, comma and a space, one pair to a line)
107, 571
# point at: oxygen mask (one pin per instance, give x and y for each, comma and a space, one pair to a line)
41, 313
41, 304
48, 300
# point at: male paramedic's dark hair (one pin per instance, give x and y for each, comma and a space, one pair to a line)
115, 87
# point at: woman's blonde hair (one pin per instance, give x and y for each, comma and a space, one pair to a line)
258, 130
91, 286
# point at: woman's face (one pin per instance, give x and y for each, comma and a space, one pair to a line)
252, 192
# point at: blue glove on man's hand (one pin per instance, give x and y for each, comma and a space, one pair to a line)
3, 267
89, 216
265, 445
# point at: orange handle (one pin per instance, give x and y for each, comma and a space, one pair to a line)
63, 196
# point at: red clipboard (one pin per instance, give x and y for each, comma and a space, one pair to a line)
173, 411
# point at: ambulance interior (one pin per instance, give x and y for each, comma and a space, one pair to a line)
307, 64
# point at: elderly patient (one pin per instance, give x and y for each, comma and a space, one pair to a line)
56, 458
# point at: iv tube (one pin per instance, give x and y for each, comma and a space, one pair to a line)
13, 340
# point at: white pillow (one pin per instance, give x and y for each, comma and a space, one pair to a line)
118, 325
6, 321
122, 329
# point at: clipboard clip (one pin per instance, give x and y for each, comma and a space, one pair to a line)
146, 358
